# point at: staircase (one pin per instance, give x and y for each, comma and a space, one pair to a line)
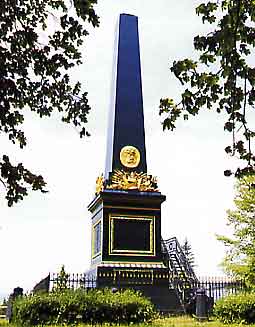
183, 278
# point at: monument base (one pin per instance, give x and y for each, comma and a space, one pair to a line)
153, 282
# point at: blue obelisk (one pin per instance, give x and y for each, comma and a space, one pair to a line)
126, 211
126, 120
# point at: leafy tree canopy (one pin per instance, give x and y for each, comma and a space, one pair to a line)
240, 258
36, 56
222, 78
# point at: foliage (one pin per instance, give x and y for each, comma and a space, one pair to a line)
80, 306
39, 44
223, 76
240, 258
171, 321
187, 321
4, 323
236, 308
187, 250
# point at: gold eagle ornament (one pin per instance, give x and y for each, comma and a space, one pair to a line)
125, 180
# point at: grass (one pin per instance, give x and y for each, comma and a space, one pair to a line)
180, 321
186, 321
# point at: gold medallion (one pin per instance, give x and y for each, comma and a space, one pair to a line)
129, 156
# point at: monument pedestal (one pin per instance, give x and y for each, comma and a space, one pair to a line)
126, 245
126, 229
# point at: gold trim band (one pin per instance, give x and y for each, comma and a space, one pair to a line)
152, 249
132, 208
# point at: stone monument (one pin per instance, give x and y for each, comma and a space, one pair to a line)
126, 210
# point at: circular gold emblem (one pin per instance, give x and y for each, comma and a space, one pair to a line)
130, 156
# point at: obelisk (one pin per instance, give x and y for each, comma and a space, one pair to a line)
126, 119
126, 211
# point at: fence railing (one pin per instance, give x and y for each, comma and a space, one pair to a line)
3, 309
216, 287
73, 281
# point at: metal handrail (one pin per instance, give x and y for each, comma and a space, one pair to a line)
182, 275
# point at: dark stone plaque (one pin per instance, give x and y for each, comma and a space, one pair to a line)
131, 234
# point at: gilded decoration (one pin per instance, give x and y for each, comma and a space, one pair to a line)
125, 180
129, 156
99, 184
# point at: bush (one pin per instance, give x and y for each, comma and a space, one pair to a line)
79, 306
236, 308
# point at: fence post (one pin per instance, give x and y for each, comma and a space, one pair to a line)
201, 305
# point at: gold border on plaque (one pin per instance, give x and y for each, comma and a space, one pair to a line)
150, 252
94, 255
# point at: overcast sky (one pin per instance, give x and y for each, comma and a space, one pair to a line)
44, 232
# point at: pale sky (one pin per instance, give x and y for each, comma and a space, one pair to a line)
44, 232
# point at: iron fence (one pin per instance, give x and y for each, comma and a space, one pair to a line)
215, 287
218, 287
3, 309
73, 281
